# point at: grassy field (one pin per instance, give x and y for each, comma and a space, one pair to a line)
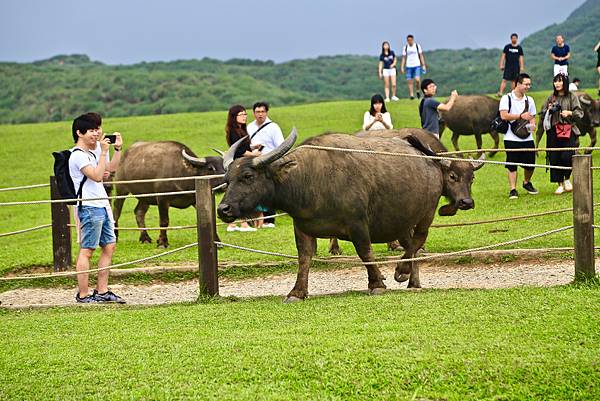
25, 158
517, 344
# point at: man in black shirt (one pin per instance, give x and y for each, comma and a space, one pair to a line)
512, 62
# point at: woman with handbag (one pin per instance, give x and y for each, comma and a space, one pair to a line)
561, 111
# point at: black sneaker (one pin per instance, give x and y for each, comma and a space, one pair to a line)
530, 189
89, 299
412, 98
108, 297
513, 194
418, 95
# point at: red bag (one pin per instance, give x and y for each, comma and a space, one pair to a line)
563, 131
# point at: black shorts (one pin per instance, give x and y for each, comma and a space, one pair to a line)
510, 74
519, 157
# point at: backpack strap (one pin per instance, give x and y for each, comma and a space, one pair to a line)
261, 127
83, 180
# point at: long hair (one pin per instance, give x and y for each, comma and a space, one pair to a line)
383, 53
377, 98
565, 80
232, 124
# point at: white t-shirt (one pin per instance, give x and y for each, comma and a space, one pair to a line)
573, 87
517, 106
91, 188
412, 55
368, 119
270, 136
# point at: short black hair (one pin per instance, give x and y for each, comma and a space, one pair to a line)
519, 79
425, 83
513, 34
410, 36
260, 104
85, 122
576, 80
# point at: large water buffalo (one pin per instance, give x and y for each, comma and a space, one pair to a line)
587, 125
471, 115
144, 160
362, 198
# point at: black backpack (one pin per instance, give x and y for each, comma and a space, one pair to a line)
66, 188
498, 124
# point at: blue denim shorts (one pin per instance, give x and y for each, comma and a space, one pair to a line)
96, 227
413, 72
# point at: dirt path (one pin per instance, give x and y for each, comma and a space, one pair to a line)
526, 273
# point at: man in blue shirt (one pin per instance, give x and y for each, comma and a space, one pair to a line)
560, 54
429, 108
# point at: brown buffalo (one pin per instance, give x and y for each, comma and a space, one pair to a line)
144, 160
357, 197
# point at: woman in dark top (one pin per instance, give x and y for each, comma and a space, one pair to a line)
235, 129
561, 111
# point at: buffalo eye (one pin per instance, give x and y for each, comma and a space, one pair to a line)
248, 177
453, 177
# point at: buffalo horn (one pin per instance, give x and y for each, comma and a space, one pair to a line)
278, 152
195, 161
477, 164
228, 156
585, 101
220, 152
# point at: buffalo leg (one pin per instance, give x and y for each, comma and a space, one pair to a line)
140, 217
496, 139
306, 246
455, 137
479, 143
362, 244
403, 269
163, 214
334, 246
117, 208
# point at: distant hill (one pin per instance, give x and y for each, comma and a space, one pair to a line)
64, 86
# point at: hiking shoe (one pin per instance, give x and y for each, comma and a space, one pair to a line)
268, 225
108, 297
232, 229
513, 194
560, 190
412, 98
395, 98
89, 299
387, 99
247, 229
568, 186
530, 189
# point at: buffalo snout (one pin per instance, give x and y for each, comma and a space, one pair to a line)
225, 212
465, 204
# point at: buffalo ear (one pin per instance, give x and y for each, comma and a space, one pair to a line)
447, 210
284, 168
417, 144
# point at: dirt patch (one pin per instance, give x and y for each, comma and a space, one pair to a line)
495, 275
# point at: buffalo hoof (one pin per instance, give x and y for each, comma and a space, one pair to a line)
292, 299
401, 277
162, 245
376, 291
145, 240
414, 285
335, 251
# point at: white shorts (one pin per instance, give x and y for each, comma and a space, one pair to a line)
560, 69
389, 72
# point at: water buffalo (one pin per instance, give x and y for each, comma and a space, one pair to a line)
362, 198
144, 160
471, 115
587, 125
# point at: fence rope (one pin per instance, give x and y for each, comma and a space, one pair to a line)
510, 218
74, 273
455, 152
24, 187
26, 230
441, 255
376, 152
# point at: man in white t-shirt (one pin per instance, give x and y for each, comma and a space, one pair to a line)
264, 133
512, 108
414, 61
89, 164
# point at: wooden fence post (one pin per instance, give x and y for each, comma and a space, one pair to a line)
207, 234
61, 234
583, 217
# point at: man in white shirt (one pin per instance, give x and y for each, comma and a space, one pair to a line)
89, 164
264, 133
512, 108
413, 59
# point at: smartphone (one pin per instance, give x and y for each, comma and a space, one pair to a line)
111, 138
261, 147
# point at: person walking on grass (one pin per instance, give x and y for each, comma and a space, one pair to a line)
512, 63
597, 50
561, 53
563, 110
429, 108
413, 59
89, 164
514, 107
387, 70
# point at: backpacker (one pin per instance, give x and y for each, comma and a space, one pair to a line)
66, 188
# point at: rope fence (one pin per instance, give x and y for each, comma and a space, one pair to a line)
457, 152
26, 230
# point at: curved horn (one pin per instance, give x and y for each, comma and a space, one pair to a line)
585, 101
228, 156
278, 152
477, 164
194, 161
221, 153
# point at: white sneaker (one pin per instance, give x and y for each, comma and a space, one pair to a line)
568, 186
387, 99
247, 229
395, 98
559, 190
232, 229
269, 225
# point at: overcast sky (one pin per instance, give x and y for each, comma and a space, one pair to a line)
130, 31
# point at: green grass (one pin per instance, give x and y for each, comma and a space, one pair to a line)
25, 158
517, 344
